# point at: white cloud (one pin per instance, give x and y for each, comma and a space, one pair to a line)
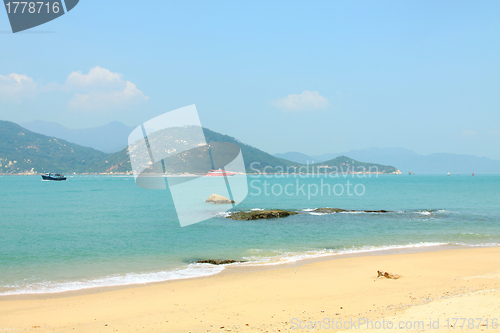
98, 78
17, 86
100, 100
308, 100
98, 90
102, 89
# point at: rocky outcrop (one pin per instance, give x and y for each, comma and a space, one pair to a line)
218, 199
260, 214
218, 261
329, 210
340, 210
276, 213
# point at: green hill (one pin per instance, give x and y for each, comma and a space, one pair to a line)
344, 164
23, 151
120, 161
251, 154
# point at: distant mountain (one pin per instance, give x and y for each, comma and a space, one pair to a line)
255, 159
344, 164
109, 138
250, 154
22, 151
300, 158
454, 163
337, 164
406, 160
366, 154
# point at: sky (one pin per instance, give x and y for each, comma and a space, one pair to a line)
309, 76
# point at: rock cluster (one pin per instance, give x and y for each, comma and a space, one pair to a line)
275, 213
260, 214
218, 261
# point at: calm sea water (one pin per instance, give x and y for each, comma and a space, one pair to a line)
101, 230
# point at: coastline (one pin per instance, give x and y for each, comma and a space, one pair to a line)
249, 266
131, 174
268, 298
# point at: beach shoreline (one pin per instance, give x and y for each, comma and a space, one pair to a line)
243, 268
340, 288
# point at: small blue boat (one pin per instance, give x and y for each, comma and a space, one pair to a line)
53, 176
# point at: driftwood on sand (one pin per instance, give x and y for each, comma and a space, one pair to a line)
387, 275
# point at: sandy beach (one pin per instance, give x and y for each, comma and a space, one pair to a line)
434, 288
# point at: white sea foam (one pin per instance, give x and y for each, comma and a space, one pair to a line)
475, 234
478, 245
437, 211
354, 212
281, 257
191, 271
223, 214
257, 257
311, 212
441, 211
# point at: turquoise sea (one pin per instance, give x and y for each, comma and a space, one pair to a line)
92, 231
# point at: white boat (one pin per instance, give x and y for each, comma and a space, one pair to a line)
219, 173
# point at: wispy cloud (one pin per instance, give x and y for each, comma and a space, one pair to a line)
307, 100
16, 87
103, 90
98, 78
99, 90
99, 100
469, 133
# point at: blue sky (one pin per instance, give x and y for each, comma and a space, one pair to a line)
315, 77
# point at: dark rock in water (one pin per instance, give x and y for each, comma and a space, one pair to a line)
339, 210
329, 210
218, 199
276, 213
260, 214
218, 261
